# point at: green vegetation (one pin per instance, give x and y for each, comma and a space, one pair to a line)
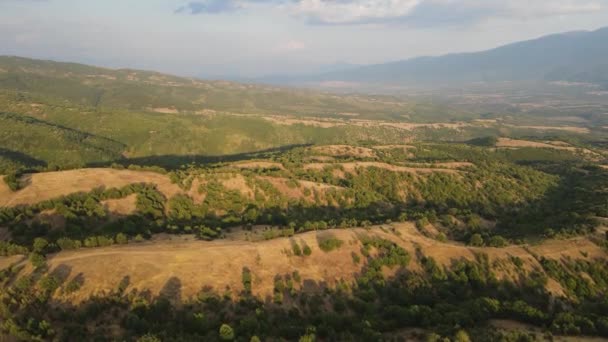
329, 244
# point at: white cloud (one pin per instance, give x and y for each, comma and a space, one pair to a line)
340, 12
417, 11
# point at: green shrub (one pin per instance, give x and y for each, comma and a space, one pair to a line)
497, 241
356, 258
37, 260
12, 180
330, 244
296, 249
476, 240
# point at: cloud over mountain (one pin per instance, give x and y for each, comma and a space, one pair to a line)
414, 12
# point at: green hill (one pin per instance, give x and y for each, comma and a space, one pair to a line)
28, 141
144, 90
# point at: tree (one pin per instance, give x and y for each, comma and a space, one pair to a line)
39, 245
462, 336
433, 337
148, 338
476, 240
121, 239
307, 338
497, 241
255, 339
37, 260
247, 279
226, 332
307, 251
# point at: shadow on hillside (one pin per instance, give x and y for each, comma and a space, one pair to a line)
571, 206
22, 158
176, 161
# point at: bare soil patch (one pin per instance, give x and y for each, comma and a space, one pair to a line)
165, 110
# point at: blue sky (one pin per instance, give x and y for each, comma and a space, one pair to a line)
249, 38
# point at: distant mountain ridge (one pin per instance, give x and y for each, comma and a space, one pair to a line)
580, 56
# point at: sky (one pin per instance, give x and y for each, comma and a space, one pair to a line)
254, 38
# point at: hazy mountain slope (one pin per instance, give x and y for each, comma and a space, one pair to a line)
573, 56
144, 90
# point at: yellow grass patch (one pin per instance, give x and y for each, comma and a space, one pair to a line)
344, 151
572, 129
218, 264
49, 185
259, 165
353, 166
121, 206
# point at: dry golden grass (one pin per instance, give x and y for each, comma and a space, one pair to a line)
394, 147
281, 184
121, 206
48, 185
514, 143
6, 262
344, 151
259, 165
409, 126
353, 166
237, 182
219, 264
315, 122
571, 129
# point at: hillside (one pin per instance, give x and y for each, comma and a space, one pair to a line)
572, 57
137, 90
181, 257
71, 115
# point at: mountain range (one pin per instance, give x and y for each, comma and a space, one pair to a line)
580, 56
